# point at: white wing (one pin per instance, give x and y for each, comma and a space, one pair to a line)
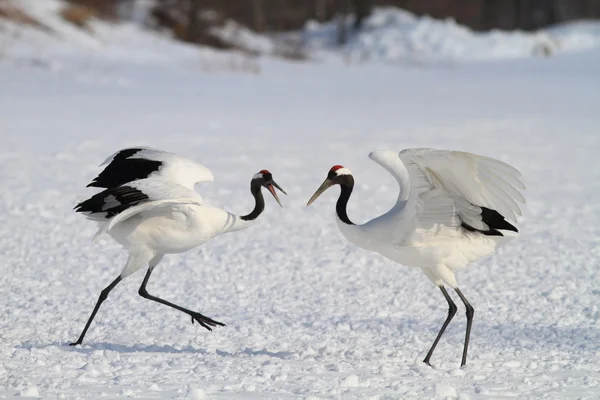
136, 163
451, 187
170, 204
117, 204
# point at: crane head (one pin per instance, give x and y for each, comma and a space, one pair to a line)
264, 178
337, 175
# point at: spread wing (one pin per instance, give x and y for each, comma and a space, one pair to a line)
136, 163
453, 190
115, 200
116, 204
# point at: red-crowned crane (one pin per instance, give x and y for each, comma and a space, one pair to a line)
150, 207
453, 209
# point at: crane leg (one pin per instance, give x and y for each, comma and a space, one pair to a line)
451, 312
201, 319
470, 313
103, 295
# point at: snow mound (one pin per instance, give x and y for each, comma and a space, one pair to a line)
61, 45
394, 35
245, 38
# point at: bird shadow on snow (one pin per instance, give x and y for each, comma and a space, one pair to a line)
250, 352
138, 348
532, 337
495, 336
571, 339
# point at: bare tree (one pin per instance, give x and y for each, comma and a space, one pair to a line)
523, 14
362, 9
258, 15
320, 10
192, 31
342, 29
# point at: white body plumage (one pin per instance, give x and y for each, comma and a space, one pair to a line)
453, 208
439, 190
150, 207
175, 219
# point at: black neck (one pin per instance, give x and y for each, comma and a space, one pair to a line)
346, 184
259, 202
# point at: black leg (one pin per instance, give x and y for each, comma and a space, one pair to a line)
470, 312
451, 311
201, 319
103, 294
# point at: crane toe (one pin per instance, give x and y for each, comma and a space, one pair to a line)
205, 321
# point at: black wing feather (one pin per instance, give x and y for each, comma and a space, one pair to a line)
123, 169
494, 220
112, 201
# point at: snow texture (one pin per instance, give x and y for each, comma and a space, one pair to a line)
308, 315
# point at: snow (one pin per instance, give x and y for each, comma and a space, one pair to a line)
309, 316
444, 391
105, 48
351, 381
393, 35
233, 32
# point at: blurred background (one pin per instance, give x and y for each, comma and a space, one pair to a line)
284, 15
299, 29
188, 20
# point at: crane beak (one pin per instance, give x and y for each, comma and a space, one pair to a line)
271, 186
324, 186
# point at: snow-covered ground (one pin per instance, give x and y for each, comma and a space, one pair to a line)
308, 315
